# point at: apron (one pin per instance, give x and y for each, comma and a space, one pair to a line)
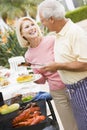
78, 99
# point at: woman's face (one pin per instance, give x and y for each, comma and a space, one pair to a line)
29, 30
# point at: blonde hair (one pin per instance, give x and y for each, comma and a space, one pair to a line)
21, 40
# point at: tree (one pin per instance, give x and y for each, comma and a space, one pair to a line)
12, 9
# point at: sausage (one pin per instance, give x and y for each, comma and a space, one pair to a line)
38, 119
31, 121
25, 114
24, 123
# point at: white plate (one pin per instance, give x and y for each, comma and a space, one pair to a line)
34, 78
4, 82
37, 77
13, 81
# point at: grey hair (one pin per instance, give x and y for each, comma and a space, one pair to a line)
22, 41
51, 8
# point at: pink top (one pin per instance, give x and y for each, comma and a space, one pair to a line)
44, 54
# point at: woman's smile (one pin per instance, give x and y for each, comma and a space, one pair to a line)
29, 30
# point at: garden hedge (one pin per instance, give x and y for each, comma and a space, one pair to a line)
78, 14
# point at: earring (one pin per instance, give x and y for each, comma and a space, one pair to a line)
25, 38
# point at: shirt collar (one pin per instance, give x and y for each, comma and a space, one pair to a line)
65, 28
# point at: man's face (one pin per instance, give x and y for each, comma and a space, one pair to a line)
45, 22
49, 23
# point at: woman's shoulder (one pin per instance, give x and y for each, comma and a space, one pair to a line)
49, 37
48, 41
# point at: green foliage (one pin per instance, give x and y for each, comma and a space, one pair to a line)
10, 49
44, 30
78, 14
12, 9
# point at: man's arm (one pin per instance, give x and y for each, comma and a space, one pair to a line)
72, 66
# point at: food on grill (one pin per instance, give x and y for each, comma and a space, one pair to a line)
8, 109
32, 121
21, 98
16, 99
3, 107
25, 78
25, 114
37, 119
27, 98
31, 115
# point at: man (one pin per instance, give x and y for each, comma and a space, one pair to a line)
70, 59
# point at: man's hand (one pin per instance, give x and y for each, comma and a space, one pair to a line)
74, 66
53, 67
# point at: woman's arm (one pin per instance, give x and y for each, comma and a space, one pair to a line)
42, 79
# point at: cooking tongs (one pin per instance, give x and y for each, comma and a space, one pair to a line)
31, 65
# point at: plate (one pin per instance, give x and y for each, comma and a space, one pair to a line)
27, 78
37, 77
4, 82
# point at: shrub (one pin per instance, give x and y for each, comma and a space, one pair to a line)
9, 47
78, 14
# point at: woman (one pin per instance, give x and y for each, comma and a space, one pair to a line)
41, 51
